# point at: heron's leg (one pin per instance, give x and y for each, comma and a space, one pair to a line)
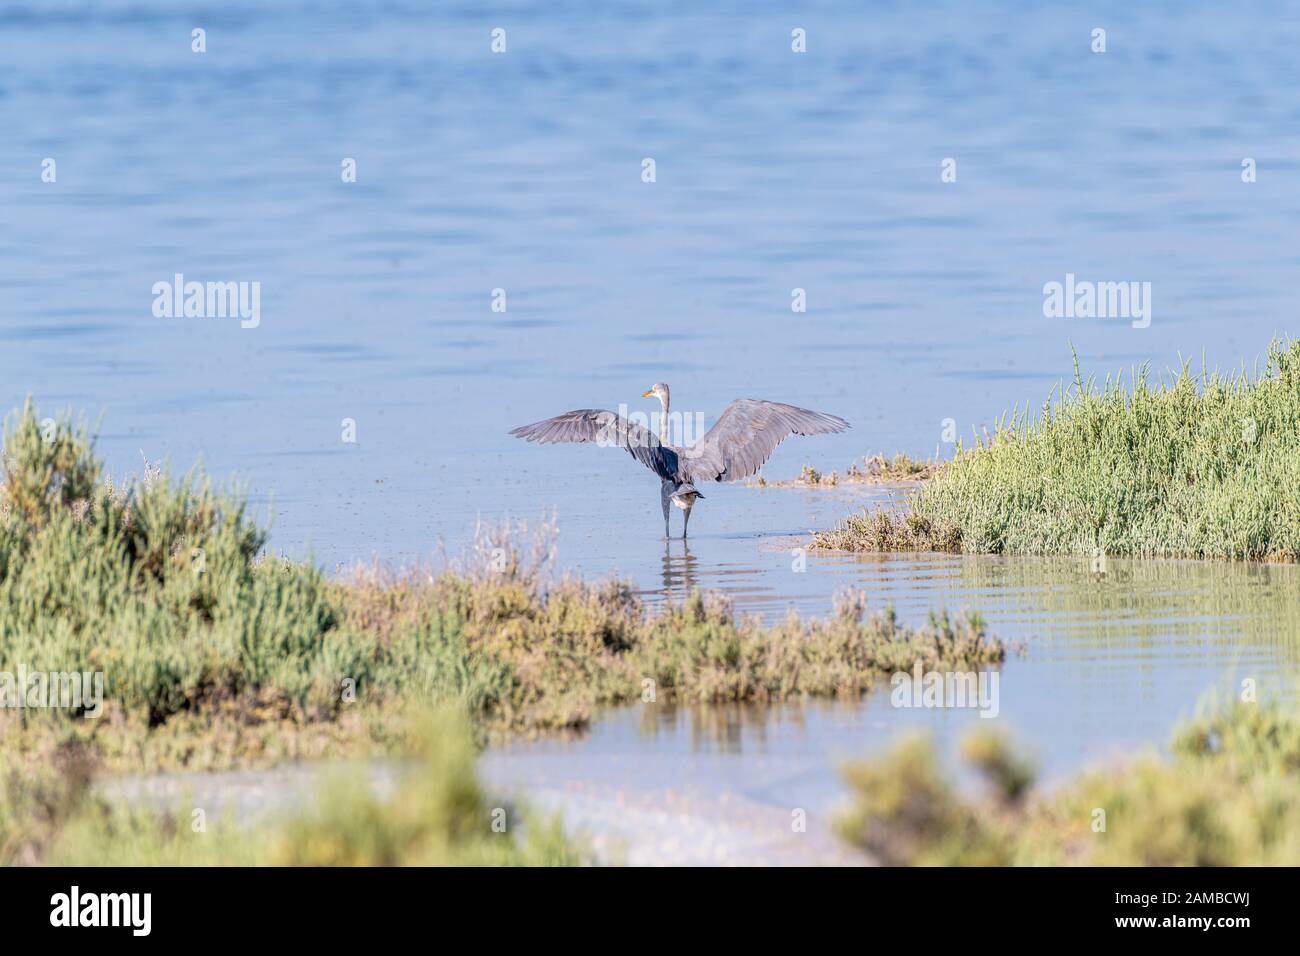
664, 498
686, 519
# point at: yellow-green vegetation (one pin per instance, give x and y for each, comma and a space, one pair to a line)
1193, 466
878, 468
811, 476
875, 469
213, 657
437, 816
1228, 796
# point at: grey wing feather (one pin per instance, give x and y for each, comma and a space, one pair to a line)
606, 429
745, 435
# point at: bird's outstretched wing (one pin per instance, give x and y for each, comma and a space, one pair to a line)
746, 434
606, 429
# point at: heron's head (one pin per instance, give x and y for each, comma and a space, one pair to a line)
659, 390
684, 495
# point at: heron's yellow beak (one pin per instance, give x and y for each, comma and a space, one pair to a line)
646, 394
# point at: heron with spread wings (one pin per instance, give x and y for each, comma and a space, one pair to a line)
739, 443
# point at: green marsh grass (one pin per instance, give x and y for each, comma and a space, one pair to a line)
215, 656
1191, 466
437, 815
875, 469
1229, 795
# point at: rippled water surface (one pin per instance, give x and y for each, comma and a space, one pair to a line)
775, 171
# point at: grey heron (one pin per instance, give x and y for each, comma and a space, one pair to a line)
739, 443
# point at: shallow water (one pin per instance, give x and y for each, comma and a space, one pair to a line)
775, 171
1111, 663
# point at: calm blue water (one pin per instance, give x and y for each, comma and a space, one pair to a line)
522, 172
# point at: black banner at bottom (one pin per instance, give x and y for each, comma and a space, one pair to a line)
332, 906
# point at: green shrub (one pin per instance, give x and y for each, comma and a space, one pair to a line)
214, 655
1230, 796
437, 816
1195, 466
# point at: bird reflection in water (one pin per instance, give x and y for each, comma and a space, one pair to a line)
680, 572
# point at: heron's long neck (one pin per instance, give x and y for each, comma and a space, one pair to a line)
663, 422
